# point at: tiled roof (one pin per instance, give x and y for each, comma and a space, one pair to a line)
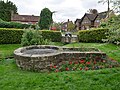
25, 18
91, 16
78, 20
102, 15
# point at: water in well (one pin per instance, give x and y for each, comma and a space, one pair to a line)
40, 51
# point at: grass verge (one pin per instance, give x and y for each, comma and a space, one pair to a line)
12, 78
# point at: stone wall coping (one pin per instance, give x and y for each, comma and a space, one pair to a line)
19, 51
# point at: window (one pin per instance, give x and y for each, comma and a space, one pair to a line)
97, 21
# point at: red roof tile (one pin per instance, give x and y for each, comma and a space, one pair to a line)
25, 18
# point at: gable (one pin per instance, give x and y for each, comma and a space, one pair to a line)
85, 20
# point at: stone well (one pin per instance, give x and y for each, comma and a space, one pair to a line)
40, 57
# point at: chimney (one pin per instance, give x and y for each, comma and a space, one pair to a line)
68, 20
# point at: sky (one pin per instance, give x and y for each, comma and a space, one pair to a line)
65, 9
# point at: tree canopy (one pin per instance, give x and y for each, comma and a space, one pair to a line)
45, 19
115, 4
6, 8
113, 24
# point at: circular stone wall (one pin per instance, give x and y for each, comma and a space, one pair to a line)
40, 57
37, 57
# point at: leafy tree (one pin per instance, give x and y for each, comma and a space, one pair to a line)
45, 19
70, 26
108, 2
116, 6
6, 8
113, 36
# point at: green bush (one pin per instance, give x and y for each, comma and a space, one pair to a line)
33, 37
93, 35
13, 36
113, 23
54, 36
10, 36
4, 24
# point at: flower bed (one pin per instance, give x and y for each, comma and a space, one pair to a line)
84, 64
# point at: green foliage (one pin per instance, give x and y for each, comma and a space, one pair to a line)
33, 37
54, 36
94, 35
113, 36
4, 24
71, 26
6, 8
45, 19
10, 36
6, 50
116, 5
56, 25
12, 78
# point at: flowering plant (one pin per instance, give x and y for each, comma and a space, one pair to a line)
84, 64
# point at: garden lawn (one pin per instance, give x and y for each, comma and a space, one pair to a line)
12, 78
6, 50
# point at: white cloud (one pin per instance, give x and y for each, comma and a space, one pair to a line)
66, 9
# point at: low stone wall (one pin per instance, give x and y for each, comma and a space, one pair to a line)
72, 39
42, 62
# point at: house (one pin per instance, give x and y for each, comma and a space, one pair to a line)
64, 25
25, 19
91, 20
77, 24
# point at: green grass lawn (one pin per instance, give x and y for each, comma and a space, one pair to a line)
6, 50
12, 78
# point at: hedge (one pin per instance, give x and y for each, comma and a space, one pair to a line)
10, 36
54, 36
13, 36
93, 35
4, 24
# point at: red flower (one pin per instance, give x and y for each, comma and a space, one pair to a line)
67, 69
88, 63
82, 61
70, 62
55, 66
86, 68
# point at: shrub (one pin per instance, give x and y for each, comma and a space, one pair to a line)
4, 24
93, 35
54, 36
13, 36
10, 36
33, 37
113, 36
